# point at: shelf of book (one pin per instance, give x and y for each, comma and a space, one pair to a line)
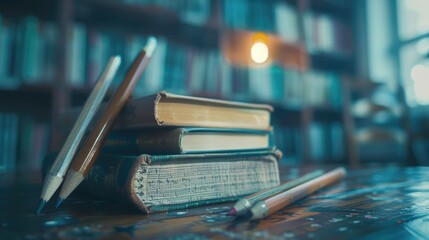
146, 19
158, 20
320, 113
198, 40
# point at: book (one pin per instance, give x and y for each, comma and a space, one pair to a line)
165, 109
34, 143
8, 141
185, 140
170, 182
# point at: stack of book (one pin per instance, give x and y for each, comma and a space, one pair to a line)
170, 151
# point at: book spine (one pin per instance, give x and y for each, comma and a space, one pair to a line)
111, 178
138, 113
162, 141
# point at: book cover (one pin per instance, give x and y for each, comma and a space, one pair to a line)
168, 109
185, 140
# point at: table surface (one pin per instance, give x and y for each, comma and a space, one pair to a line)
370, 204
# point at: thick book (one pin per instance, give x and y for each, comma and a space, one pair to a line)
170, 182
168, 109
185, 140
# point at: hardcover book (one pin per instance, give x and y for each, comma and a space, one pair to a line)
167, 109
170, 182
185, 140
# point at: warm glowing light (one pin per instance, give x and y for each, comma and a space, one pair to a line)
420, 76
259, 52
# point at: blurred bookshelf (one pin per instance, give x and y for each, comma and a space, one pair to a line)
204, 50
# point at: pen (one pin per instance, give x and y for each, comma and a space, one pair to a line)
244, 204
274, 203
58, 169
87, 155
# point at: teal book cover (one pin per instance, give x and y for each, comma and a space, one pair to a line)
158, 141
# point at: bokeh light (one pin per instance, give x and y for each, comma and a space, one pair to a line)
259, 52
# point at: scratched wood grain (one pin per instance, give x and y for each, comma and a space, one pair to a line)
369, 203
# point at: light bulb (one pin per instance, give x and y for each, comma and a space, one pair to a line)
259, 52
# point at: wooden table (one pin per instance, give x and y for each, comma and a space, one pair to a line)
369, 203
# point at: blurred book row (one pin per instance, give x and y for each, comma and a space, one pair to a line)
24, 142
323, 32
328, 35
28, 59
8, 140
326, 141
28, 51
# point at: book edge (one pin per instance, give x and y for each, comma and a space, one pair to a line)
130, 190
168, 95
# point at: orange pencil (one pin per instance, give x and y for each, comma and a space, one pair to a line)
245, 204
274, 203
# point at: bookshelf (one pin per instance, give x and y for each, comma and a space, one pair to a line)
192, 36
149, 19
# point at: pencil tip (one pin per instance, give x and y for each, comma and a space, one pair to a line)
50, 185
72, 180
150, 46
42, 204
232, 212
59, 202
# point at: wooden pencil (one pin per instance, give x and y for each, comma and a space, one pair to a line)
244, 204
87, 155
59, 168
273, 204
